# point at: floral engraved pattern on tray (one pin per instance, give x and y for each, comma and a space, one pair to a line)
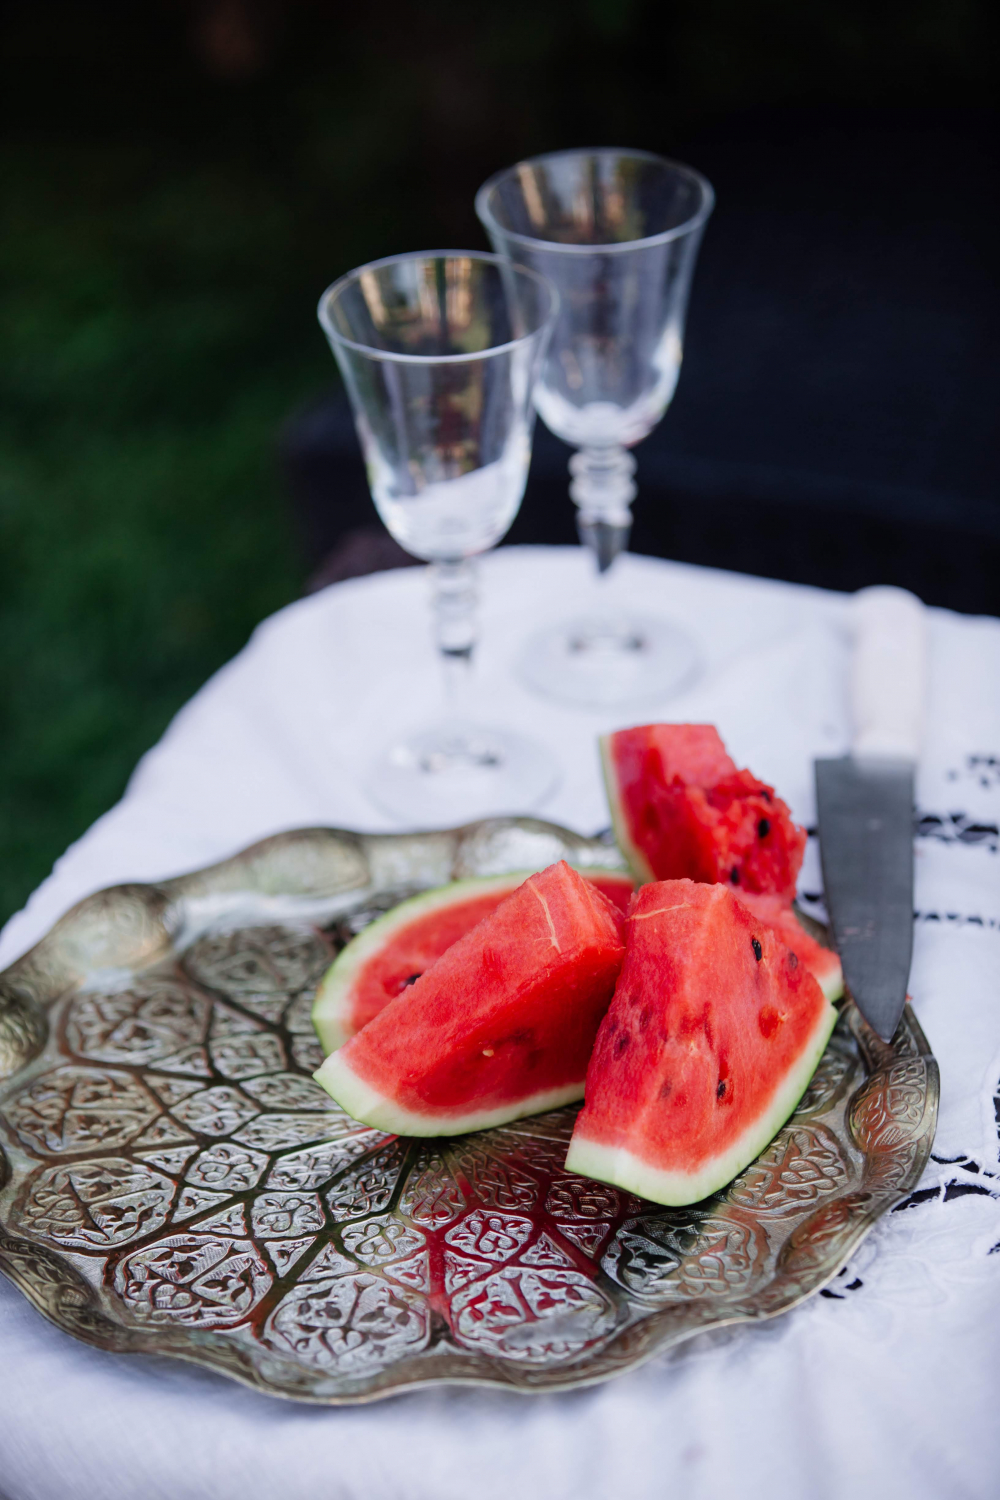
369, 1187
888, 1110
587, 1237
802, 1165
492, 1235
375, 1241
282, 1091
353, 1323
496, 1182
832, 1078
316, 1165
686, 1255
581, 1198
280, 1132
96, 1205
215, 1111
226, 1167
431, 1195
166, 1134
139, 1025
257, 961
293, 1214
247, 1056
199, 1280
80, 1109
524, 1314
807, 1250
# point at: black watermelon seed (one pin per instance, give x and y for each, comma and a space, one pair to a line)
763, 828
765, 794
793, 960
622, 1044
721, 1088
758, 951
734, 875
410, 979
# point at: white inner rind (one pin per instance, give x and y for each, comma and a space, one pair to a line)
641, 867
333, 1007
832, 983
624, 1168
366, 1104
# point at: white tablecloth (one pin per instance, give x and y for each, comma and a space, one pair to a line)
886, 1387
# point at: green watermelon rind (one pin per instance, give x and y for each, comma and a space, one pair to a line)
366, 1104
331, 1006
330, 1012
637, 861
626, 1169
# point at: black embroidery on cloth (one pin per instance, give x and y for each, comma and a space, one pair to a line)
985, 769
957, 828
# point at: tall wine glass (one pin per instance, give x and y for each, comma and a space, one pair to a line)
440, 353
617, 232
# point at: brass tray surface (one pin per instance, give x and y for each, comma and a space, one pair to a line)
172, 1181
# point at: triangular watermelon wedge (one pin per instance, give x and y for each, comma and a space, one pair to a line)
500, 1026
680, 808
392, 952
714, 1032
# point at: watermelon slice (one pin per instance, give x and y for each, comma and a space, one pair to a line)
822, 963
615, 884
681, 808
502, 1025
392, 952
712, 1037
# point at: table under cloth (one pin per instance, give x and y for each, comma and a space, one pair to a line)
885, 1384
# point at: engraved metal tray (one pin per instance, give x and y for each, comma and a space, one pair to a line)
173, 1181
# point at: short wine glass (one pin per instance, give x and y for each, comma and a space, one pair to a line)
617, 232
440, 353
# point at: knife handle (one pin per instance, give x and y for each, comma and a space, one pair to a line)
888, 673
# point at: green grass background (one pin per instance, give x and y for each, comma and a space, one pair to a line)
147, 366
169, 213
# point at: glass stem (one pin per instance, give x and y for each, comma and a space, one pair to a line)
603, 489
455, 597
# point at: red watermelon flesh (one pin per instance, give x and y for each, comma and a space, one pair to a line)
391, 953
614, 884
822, 963
501, 1025
712, 1037
682, 809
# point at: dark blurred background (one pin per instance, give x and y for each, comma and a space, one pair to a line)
180, 179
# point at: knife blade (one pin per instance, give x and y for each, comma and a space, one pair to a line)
865, 806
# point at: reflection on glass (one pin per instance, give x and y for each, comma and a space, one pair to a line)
440, 354
617, 232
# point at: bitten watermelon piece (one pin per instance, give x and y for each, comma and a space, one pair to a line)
681, 808
712, 1037
822, 963
501, 1025
393, 951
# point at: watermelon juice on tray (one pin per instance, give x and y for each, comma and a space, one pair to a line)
391, 953
711, 1039
681, 808
501, 1025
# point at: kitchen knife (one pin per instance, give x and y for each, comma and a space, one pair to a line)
865, 805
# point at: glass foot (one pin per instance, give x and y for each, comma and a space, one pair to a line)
454, 773
602, 662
